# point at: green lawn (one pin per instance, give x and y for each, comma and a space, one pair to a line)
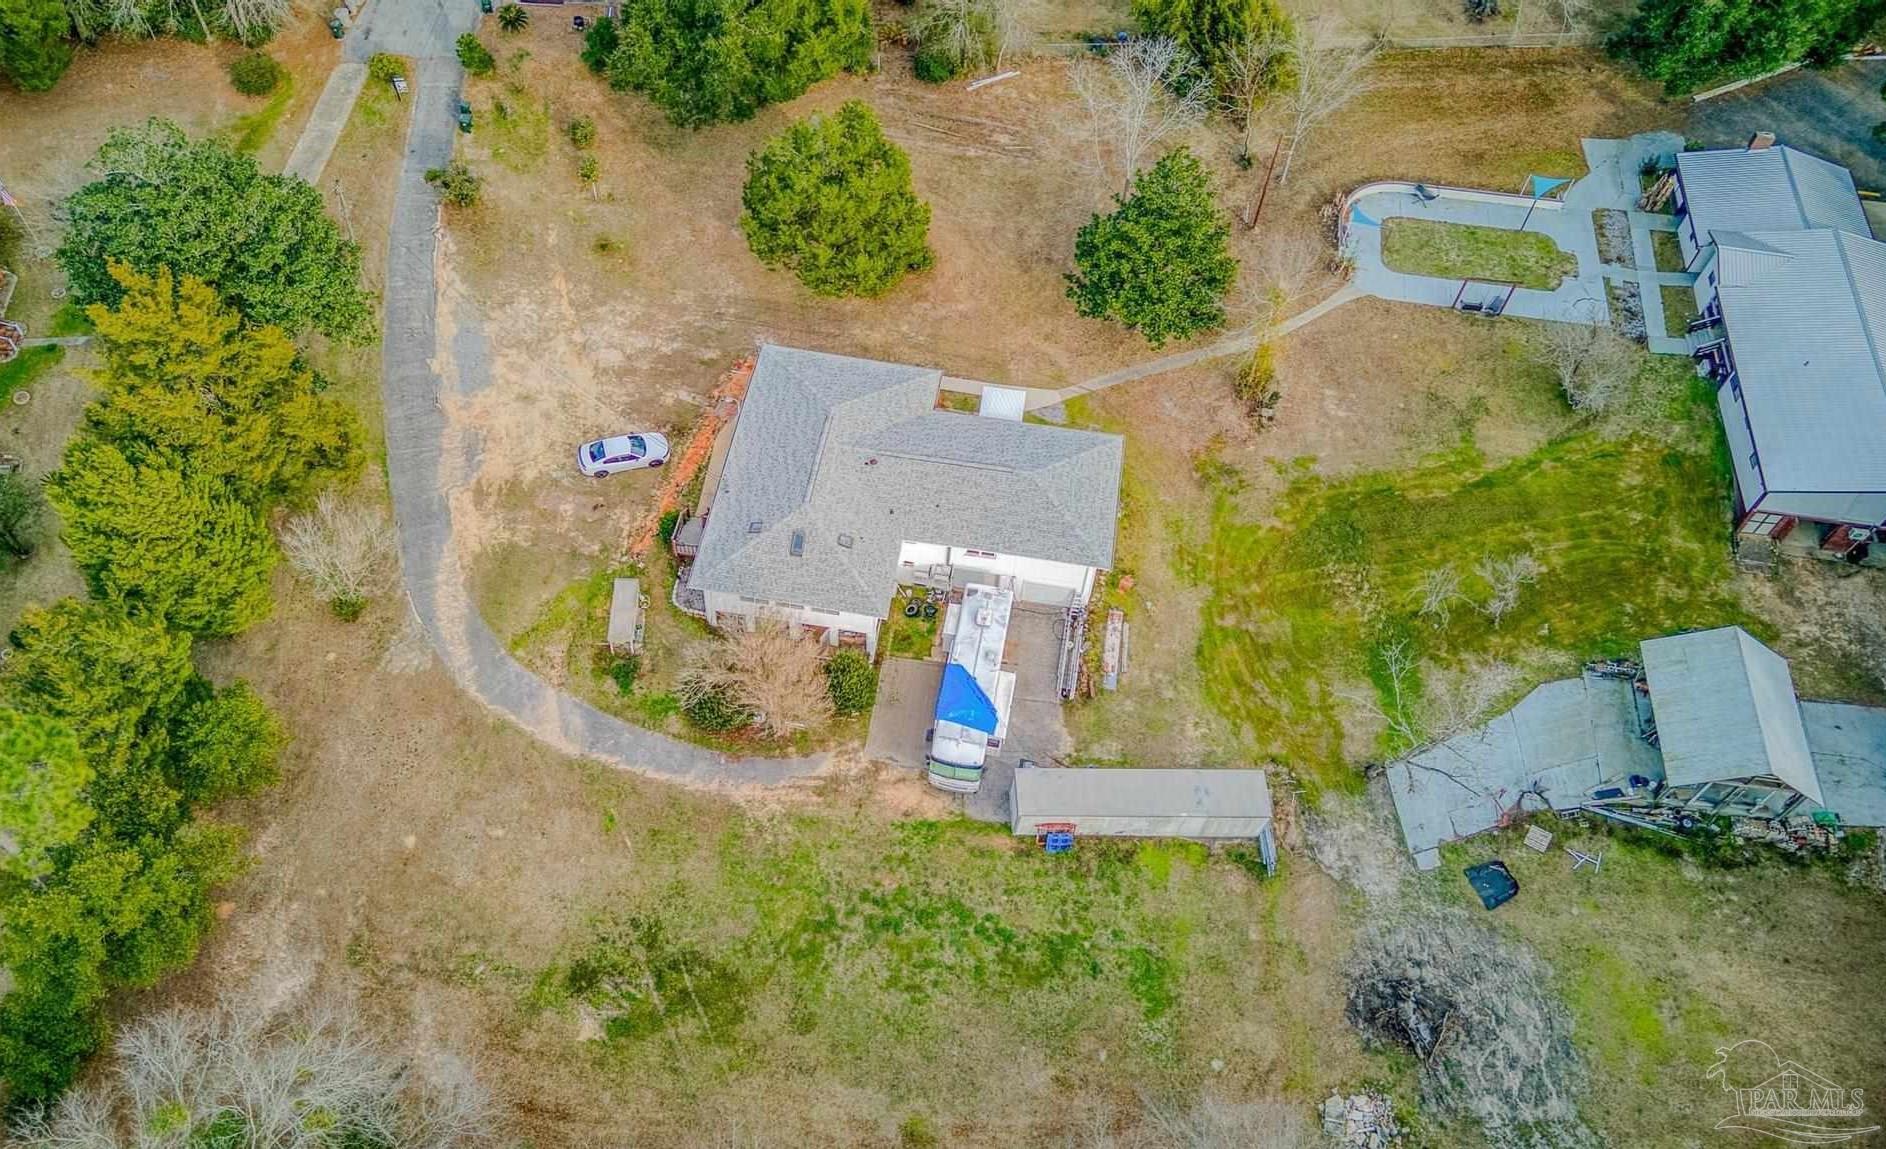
252, 130
1679, 307
1467, 251
1668, 250
910, 637
1630, 536
27, 367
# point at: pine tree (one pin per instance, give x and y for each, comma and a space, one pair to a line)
35, 42
159, 539
185, 379
831, 199
705, 61
1159, 264
1212, 30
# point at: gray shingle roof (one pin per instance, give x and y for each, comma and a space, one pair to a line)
1726, 709
831, 449
1806, 314
1770, 189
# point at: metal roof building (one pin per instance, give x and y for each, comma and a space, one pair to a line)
1142, 803
1791, 287
1725, 709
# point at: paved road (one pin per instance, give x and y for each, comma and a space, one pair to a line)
425, 460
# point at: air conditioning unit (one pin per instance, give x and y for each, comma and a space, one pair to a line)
984, 616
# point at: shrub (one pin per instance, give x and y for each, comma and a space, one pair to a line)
670, 519
599, 43
513, 17
1256, 384
583, 132
622, 672
474, 56
20, 508
458, 185
1480, 11
255, 73
851, 680
384, 66
935, 65
1159, 264
588, 169
1879, 131
35, 45
715, 711
831, 199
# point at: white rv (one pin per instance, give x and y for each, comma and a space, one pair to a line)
972, 705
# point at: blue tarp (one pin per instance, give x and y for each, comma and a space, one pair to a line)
1545, 185
962, 700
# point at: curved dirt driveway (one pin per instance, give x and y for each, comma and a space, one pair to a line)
424, 460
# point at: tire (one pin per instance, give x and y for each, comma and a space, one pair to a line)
656, 463
599, 474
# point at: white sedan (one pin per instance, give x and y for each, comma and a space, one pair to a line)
622, 453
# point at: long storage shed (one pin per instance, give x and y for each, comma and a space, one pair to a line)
1139, 803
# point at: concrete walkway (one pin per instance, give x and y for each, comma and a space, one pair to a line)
325, 123
1611, 183
425, 460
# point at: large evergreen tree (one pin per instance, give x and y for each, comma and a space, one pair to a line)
1212, 30
831, 199
35, 42
42, 781
704, 61
161, 539
264, 242
1690, 43
185, 379
1159, 264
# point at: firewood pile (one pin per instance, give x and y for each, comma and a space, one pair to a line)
1362, 1121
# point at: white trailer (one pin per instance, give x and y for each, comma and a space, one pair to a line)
1136, 803
973, 703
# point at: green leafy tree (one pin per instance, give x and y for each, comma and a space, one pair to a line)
184, 378
21, 506
851, 680
35, 42
121, 914
1213, 31
265, 242
474, 56
42, 785
1689, 43
513, 17
159, 539
1159, 263
831, 199
705, 61
600, 43
225, 745
458, 185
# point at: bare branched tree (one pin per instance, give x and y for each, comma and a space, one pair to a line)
1143, 93
248, 20
1328, 69
343, 548
1506, 579
1440, 590
964, 29
1595, 367
184, 1073
1253, 69
777, 676
1479, 1015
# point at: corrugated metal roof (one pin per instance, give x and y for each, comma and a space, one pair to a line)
1769, 189
1806, 316
1044, 793
1726, 709
829, 445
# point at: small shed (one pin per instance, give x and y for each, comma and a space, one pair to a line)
1142, 803
625, 616
1729, 724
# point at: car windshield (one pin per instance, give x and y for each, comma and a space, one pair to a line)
638, 446
596, 451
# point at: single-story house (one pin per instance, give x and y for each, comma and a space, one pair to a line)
1136, 803
1791, 292
1710, 725
843, 479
